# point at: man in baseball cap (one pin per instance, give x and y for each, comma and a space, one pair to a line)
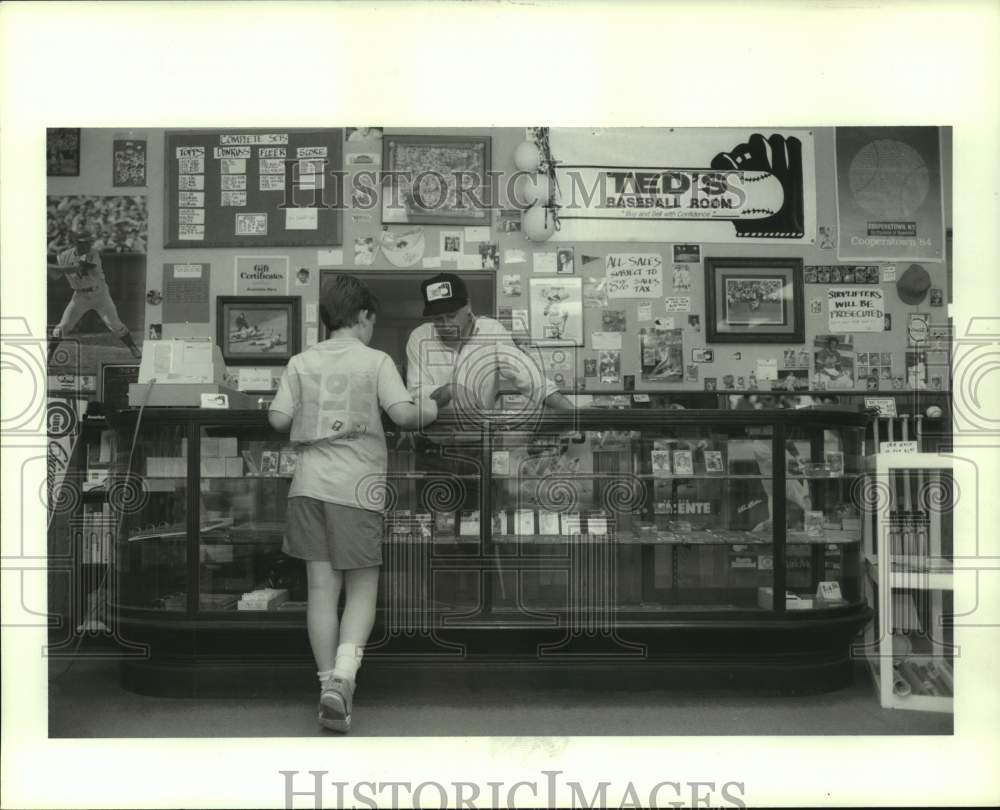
442, 294
446, 300
464, 357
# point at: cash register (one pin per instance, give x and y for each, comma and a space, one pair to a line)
175, 373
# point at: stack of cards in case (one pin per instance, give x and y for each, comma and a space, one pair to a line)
469, 524
524, 523
597, 523
501, 524
661, 463
501, 463
814, 523
548, 523
713, 461
287, 461
683, 463
397, 523
571, 523
444, 524
424, 525
263, 599
269, 462
251, 461
835, 463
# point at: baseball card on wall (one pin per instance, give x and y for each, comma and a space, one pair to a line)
662, 354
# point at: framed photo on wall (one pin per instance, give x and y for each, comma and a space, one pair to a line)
754, 300
62, 152
258, 330
436, 179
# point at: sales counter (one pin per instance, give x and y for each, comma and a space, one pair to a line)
649, 541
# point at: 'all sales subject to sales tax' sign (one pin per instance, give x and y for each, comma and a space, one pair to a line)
634, 275
655, 184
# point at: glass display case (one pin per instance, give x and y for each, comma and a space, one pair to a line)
643, 537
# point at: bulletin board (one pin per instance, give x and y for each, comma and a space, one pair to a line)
228, 188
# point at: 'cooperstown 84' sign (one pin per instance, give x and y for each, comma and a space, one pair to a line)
669, 185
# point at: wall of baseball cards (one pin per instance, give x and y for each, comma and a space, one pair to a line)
646, 219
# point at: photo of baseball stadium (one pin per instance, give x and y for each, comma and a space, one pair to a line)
754, 301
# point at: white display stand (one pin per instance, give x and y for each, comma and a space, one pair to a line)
908, 589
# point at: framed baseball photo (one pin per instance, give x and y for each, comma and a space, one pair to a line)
258, 330
436, 179
754, 301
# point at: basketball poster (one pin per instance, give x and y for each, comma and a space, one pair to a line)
889, 194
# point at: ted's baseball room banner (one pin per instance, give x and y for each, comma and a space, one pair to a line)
685, 185
889, 194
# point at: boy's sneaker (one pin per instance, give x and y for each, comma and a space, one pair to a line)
335, 705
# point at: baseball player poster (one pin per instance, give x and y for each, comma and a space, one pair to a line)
96, 281
890, 202
556, 311
685, 185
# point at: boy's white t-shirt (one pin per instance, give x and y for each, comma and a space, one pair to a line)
334, 392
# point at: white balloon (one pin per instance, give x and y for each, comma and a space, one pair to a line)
538, 223
536, 189
527, 156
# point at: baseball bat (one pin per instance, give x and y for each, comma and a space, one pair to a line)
907, 500
918, 431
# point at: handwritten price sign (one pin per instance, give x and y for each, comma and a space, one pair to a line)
634, 275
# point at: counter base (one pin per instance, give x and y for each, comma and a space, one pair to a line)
789, 657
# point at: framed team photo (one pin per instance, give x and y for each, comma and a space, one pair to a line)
754, 300
423, 175
258, 330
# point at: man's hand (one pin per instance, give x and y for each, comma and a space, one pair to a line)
443, 395
558, 402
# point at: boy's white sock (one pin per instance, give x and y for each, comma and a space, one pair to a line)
324, 676
347, 662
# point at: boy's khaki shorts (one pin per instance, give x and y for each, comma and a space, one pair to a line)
346, 536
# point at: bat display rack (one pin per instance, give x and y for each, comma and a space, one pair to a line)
910, 558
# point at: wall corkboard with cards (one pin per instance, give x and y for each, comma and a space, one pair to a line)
232, 188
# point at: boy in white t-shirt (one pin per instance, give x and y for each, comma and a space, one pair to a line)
330, 397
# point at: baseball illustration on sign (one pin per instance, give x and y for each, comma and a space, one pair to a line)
723, 185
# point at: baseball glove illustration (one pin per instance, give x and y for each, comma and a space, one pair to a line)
781, 157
